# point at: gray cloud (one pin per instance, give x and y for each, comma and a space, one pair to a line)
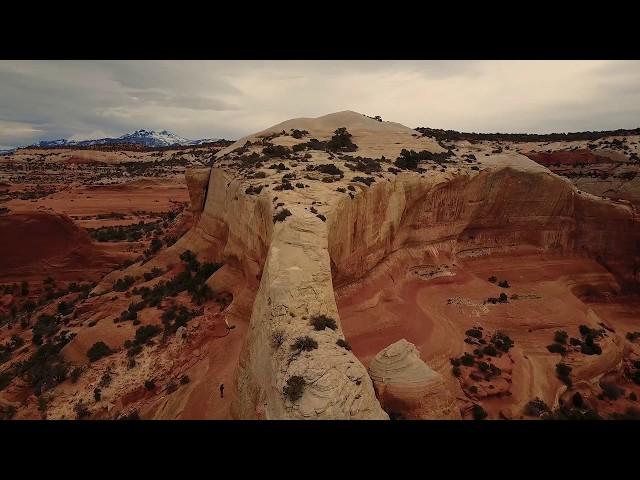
58, 99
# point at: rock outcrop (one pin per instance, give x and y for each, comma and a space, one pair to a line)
407, 387
335, 235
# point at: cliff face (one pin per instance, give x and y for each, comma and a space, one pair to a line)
510, 203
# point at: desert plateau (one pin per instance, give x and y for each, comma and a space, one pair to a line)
337, 267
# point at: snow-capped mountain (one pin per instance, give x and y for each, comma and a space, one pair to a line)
148, 138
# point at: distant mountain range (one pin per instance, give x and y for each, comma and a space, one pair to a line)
147, 138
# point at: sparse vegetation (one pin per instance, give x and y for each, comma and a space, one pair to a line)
294, 388
343, 343
281, 215
563, 372
304, 344
320, 322
536, 408
97, 351
478, 412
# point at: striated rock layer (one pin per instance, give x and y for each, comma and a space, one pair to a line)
408, 387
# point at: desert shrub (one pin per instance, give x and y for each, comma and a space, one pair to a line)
304, 344
493, 279
81, 410
633, 397
557, 348
562, 372
123, 284
294, 388
631, 413
145, 333
612, 391
327, 168
275, 151
577, 400
184, 379
575, 341
456, 371
478, 412
364, 165
467, 360
343, 343
9, 411
483, 366
281, 215
366, 180
474, 332
149, 384
560, 336
320, 322
490, 350
298, 134
277, 338
75, 374
503, 298
536, 408
593, 349
97, 394
155, 245
341, 140
45, 327
584, 330
455, 362
633, 336
504, 284
97, 351
154, 273
279, 167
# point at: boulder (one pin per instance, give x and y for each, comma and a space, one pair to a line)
407, 387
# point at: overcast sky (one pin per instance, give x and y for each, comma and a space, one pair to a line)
46, 100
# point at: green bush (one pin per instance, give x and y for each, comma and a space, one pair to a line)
97, 351
343, 343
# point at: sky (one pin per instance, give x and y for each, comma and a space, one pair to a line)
47, 100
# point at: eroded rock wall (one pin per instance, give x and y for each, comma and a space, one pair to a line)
477, 215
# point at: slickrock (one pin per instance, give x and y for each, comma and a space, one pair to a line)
408, 387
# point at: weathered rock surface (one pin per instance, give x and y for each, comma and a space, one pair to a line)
407, 386
451, 210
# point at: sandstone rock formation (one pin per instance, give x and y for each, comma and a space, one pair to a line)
454, 211
407, 386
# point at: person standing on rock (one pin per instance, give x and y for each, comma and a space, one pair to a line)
222, 390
